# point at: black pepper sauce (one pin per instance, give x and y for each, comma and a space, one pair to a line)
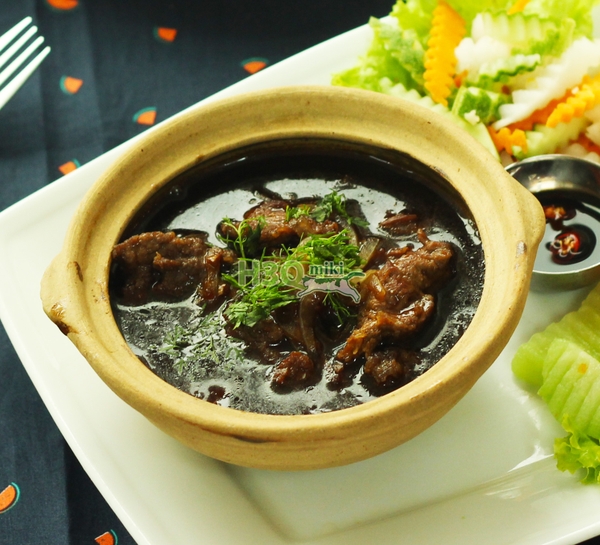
162, 335
569, 240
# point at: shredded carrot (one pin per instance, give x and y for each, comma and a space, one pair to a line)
505, 139
587, 143
447, 30
585, 98
459, 78
540, 116
518, 6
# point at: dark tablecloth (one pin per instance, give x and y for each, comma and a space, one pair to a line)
116, 67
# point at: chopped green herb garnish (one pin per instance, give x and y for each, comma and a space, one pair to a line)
318, 249
201, 340
335, 203
258, 303
292, 212
266, 284
246, 241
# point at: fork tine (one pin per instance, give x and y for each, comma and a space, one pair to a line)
10, 45
14, 85
14, 65
17, 45
11, 34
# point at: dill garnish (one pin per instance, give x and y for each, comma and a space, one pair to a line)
246, 241
269, 286
202, 340
335, 203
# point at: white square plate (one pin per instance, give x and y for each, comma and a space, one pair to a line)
483, 474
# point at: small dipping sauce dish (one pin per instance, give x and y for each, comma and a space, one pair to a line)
569, 190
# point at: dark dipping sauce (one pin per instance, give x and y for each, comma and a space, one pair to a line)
308, 356
572, 221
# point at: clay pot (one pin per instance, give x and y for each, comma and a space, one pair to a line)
509, 219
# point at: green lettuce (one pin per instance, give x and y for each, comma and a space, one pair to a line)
578, 452
416, 15
468, 9
394, 53
559, 10
403, 45
377, 62
554, 43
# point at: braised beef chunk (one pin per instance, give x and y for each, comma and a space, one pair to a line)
289, 328
390, 366
397, 300
305, 225
263, 340
164, 266
402, 223
211, 288
295, 371
269, 218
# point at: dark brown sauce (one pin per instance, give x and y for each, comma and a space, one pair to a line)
374, 181
569, 241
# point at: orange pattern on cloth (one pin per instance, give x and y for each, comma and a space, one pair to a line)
254, 64
69, 166
107, 538
447, 30
146, 116
165, 34
9, 497
63, 5
70, 85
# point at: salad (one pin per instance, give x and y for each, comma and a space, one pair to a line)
521, 76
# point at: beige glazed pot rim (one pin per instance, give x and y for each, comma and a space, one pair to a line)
510, 222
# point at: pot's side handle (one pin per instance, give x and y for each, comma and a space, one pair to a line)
55, 294
532, 213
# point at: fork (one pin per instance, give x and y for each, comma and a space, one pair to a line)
12, 43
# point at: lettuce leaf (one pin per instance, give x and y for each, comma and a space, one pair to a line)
405, 48
416, 15
468, 9
394, 53
377, 62
578, 451
558, 10
554, 43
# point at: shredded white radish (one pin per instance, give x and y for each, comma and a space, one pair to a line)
471, 55
551, 82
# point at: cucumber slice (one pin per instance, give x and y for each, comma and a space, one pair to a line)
581, 327
544, 139
570, 374
478, 131
594, 425
528, 360
588, 409
484, 103
554, 368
